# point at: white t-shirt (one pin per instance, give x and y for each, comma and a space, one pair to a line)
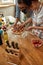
38, 21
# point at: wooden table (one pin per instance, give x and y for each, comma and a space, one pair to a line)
8, 58
29, 54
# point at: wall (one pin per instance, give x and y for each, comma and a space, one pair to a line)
6, 1
41, 0
8, 11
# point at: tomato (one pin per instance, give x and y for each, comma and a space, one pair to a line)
36, 42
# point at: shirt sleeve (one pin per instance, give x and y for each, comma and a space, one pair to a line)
40, 17
17, 12
30, 13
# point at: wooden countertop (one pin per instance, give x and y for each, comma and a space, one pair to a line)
29, 54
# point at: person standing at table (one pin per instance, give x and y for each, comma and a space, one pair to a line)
36, 18
18, 14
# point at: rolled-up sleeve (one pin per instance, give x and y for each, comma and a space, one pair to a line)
17, 12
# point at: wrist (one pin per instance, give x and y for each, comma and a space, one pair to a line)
34, 27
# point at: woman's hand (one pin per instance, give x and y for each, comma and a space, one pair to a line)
29, 28
20, 26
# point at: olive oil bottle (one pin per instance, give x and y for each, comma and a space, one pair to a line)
5, 36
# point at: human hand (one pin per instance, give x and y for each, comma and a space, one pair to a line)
29, 28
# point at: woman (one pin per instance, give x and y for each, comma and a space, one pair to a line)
36, 18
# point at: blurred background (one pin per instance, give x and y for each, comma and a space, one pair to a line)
6, 5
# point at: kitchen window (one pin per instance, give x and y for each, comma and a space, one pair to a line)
7, 1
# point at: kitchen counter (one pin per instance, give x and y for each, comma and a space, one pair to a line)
29, 54
6, 5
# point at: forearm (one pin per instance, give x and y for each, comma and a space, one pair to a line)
37, 27
17, 19
27, 21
